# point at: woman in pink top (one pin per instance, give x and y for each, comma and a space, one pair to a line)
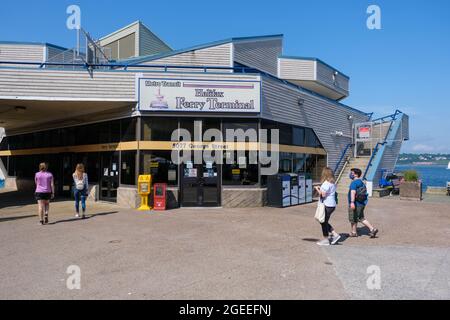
45, 191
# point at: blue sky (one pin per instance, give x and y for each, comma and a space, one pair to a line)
406, 65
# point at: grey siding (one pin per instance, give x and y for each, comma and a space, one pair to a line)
71, 85
325, 75
213, 56
297, 69
405, 127
22, 52
280, 103
149, 43
262, 55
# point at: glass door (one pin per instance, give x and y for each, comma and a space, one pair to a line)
200, 185
109, 176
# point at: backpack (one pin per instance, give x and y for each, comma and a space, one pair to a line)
361, 193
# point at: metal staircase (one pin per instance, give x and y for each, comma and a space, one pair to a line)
383, 147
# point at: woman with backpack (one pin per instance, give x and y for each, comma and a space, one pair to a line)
327, 192
81, 185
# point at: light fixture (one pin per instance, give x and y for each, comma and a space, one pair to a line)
301, 101
350, 117
20, 109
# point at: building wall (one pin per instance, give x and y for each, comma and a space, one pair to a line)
259, 54
297, 69
22, 52
280, 103
65, 84
149, 43
325, 75
213, 56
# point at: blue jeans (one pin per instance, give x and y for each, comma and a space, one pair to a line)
80, 195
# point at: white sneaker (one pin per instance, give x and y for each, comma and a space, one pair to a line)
336, 239
77, 215
324, 242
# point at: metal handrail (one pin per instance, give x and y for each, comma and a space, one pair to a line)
392, 117
118, 65
342, 157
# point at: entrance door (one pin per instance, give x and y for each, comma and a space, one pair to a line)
65, 182
200, 185
109, 181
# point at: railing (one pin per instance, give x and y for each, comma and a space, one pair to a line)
393, 118
341, 158
126, 66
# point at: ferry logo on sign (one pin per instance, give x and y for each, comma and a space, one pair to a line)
199, 95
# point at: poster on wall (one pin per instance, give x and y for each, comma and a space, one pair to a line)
199, 95
364, 132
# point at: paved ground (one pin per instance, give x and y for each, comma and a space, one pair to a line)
261, 253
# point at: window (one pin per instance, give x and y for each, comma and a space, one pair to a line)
128, 168
159, 164
245, 125
315, 165
311, 139
4, 144
128, 129
158, 129
298, 136
240, 172
285, 162
299, 163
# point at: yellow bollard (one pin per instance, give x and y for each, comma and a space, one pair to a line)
144, 190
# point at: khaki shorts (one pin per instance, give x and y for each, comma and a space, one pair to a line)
357, 215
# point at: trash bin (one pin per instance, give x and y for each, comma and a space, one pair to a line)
309, 190
301, 189
294, 190
279, 191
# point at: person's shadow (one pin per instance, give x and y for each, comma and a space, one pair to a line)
86, 218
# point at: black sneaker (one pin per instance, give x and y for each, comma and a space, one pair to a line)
46, 220
373, 233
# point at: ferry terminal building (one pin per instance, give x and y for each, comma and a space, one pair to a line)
117, 115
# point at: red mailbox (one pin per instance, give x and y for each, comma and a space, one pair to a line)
159, 196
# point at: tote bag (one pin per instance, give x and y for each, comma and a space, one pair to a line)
320, 212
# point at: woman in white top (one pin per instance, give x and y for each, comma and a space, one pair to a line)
80, 190
327, 192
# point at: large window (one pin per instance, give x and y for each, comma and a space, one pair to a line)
245, 125
240, 172
128, 168
159, 164
158, 129
97, 133
292, 135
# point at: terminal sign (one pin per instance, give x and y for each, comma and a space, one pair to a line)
199, 95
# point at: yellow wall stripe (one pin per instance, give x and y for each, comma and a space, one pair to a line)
161, 145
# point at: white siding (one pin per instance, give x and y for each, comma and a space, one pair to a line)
22, 52
297, 69
280, 103
63, 84
259, 54
149, 43
213, 56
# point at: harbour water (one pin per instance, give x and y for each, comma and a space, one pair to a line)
431, 175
